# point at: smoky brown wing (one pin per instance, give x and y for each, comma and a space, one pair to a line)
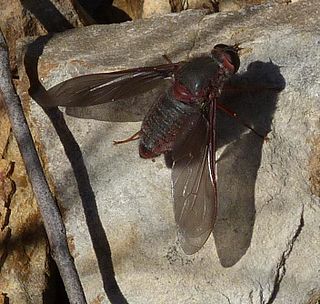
194, 188
93, 89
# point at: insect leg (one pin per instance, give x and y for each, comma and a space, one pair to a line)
167, 58
135, 136
235, 115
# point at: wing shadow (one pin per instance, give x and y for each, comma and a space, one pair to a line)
253, 96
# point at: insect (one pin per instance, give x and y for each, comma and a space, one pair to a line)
180, 125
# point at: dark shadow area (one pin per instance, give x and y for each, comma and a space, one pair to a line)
5, 298
32, 234
92, 12
55, 292
4, 247
99, 239
47, 14
253, 96
103, 12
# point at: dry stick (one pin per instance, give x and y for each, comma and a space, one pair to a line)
50, 213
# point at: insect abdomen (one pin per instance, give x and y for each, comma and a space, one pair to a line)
166, 120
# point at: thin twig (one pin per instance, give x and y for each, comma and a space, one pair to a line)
50, 213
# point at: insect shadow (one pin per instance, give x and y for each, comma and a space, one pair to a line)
98, 236
253, 96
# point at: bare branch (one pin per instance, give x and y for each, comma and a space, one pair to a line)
50, 213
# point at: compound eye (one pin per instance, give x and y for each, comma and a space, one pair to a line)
235, 60
232, 51
221, 46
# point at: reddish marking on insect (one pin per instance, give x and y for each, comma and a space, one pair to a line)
145, 153
227, 63
181, 93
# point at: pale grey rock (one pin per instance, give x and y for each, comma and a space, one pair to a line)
266, 240
234, 5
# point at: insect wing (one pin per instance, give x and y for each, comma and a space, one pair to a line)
194, 187
93, 89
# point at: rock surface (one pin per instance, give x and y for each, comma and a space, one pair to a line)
117, 207
234, 5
